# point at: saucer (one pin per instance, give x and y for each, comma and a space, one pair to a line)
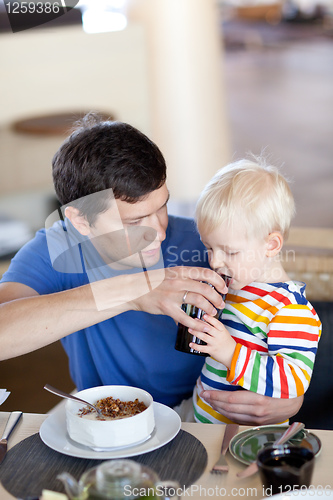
246, 445
53, 433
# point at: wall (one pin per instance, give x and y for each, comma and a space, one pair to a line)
64, 69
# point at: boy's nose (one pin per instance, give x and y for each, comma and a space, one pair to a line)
216, 260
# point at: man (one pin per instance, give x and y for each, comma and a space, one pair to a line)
110, 278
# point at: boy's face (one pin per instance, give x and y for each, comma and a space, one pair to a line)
129, 235
244, 259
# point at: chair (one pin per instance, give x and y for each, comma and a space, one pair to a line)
308, 257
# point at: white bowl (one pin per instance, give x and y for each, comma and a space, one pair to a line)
110, 433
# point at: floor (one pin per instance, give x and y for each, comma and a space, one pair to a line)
279, 89
279, 85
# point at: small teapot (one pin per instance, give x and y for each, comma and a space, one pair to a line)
118, 480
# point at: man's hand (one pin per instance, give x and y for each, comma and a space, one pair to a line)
168, 296
249, 408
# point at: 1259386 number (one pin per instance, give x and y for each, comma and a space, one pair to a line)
315, 491
34, 7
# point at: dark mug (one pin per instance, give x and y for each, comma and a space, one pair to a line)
285, 468
184, 337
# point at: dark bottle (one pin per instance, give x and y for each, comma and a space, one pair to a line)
184, 337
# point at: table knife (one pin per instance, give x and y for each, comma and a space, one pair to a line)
222, 465
13, 419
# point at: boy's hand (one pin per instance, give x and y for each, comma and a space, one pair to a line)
220, 344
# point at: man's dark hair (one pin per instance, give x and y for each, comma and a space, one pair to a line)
100, 155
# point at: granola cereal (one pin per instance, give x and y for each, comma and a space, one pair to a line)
114, 408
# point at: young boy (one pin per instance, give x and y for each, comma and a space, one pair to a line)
266, 339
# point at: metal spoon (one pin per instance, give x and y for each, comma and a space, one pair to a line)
65, 395
288, 434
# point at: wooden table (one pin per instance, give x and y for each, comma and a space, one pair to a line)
209, 485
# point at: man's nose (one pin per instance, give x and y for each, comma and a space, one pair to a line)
159, 230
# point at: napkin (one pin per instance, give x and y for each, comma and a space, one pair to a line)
3, 395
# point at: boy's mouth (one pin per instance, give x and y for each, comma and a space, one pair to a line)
227, 279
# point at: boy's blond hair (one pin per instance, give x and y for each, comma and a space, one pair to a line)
248, 194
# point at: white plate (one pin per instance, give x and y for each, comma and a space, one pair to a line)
304, 494
53, 433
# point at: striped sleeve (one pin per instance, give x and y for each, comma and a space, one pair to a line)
285, 370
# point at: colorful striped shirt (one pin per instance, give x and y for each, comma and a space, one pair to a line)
277, 332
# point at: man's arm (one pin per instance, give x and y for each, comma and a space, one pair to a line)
250, 408
30, 321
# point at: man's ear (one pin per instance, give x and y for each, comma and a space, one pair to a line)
274, 244
78, 220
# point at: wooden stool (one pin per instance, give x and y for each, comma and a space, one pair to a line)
54, 124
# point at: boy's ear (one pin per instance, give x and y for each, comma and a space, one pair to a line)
274, 244
78, 220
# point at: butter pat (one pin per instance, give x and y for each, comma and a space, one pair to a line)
53, 495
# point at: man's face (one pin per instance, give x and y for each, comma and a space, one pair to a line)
129, 235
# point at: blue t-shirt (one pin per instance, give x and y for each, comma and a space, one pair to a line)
133, 348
